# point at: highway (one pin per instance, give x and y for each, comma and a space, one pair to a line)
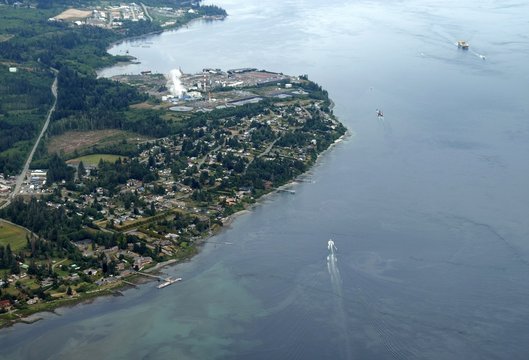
22, 175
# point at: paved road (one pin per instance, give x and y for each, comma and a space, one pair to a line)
146, 12
265, 152
22, 175
203, 160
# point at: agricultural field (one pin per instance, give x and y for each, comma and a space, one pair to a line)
13, 235
93, 159
79, 141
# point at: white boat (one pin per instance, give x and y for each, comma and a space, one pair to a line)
168, 282
463, 44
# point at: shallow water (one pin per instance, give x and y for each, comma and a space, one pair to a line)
427, 207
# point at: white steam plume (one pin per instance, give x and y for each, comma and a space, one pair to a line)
174, 84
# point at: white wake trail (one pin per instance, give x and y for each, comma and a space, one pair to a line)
336, 282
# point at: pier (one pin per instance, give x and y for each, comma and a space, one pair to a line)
159, 278
287, 191
166, 281
129, 283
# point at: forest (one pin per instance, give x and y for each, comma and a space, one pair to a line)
84, 101
25, 98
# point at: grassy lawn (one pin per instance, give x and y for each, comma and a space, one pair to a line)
13, 235
93, 159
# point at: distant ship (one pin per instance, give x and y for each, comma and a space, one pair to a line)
463, 44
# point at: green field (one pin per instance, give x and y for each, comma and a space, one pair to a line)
13, 235
93, 160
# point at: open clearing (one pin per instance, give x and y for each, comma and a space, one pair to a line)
70, 141
13, 235
93, 160
144, 105
73, 14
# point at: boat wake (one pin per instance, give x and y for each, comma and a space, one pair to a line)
336, 283
332, 268
481, 56
385, 125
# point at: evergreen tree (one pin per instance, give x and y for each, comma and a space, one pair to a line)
81, 171
58, 170
153, 209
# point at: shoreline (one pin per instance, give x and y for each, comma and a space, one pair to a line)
133, 280
158, 32
134, 60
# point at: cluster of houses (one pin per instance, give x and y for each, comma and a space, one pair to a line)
171, 193
6, 184
177, 194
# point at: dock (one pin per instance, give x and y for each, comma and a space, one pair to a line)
159, 278
166, 281
129, 283
287, 191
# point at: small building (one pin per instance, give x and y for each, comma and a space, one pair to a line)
38, 173
33, 301
172, 236
5, 304
74, 277
111, 250
90, 272
13, 69
231, 201
141, 261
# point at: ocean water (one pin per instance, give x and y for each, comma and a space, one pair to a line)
427, 207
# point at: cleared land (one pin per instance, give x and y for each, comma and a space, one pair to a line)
145, 105
13, 235
73, 14
93, 160
70, 141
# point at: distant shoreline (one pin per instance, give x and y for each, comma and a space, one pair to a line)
138, 37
